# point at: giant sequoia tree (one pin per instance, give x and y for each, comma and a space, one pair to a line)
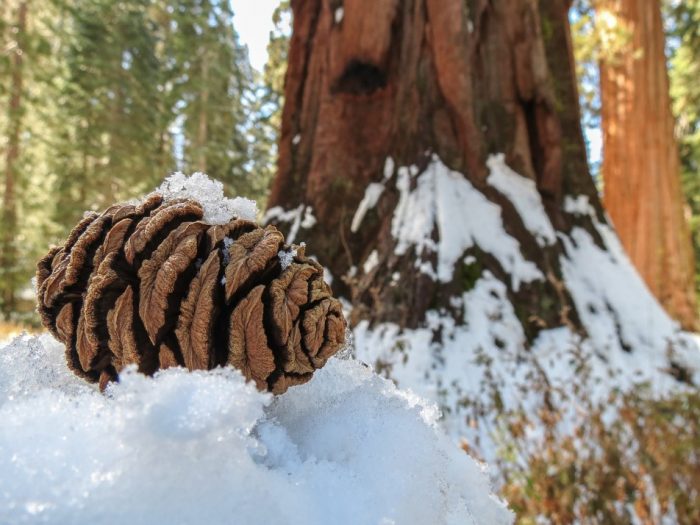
431, 155
641, 165
409, 79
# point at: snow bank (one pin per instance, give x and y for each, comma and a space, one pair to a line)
182, 447
218, 209
483, 365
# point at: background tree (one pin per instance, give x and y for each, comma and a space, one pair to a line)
116, 95
106, 127
16, 48
266, 104
683, 22
641, 168
212, 80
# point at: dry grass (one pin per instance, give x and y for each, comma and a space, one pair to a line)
10, 329
643, 467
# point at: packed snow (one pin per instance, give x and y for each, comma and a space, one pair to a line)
445, 199
204, 447
218, 209
482, 364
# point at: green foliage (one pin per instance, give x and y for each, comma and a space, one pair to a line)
117, 94
684, 34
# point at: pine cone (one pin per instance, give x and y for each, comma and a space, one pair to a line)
154, 285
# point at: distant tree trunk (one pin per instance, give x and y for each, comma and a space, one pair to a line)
641, 166
8, 250
202, 129
368, 81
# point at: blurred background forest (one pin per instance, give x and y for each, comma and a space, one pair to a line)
102, 98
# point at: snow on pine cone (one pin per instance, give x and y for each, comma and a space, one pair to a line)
154, 285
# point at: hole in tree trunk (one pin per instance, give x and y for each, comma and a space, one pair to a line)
360, 78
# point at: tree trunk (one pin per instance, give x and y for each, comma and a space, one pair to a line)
202, 124
641, 169
8, 250
400, 80
431, 156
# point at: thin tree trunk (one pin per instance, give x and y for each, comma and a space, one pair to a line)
203, 113
8, 255
641, 169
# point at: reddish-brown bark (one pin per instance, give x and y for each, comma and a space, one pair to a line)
641, 169
398, 79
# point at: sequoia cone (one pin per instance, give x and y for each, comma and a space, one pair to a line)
154, 285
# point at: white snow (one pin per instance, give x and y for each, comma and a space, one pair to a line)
371, 262
618, 310
482, 364
286, 257
327, 276
373, 191
203, 447
522, 192
301, 217
445, 199
484, 349
388, 168
218, 209
578, 205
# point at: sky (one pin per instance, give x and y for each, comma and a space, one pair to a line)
253, 21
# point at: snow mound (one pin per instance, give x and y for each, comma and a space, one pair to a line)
218, 209
205, 447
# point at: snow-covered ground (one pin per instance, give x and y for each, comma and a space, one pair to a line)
204, 447
481, 364
348, 447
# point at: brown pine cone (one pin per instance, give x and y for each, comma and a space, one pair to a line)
152, 284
